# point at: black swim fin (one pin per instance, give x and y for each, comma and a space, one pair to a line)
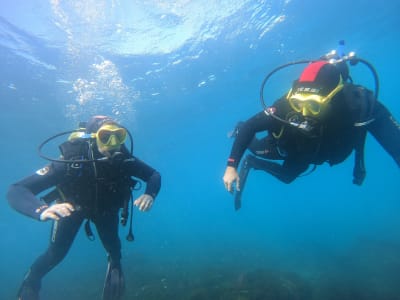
28, 293
114, 285
238, 200
29, 289
244, 172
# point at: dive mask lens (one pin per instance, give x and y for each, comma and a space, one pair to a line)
296, 104
313, 106
106, 136
306, 103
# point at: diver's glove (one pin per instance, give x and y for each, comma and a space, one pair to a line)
114, 285
230, 177
57, 211
144, 202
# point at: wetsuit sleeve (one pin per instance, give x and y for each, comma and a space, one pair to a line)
141, 170
22, 194
386, 131
259, 122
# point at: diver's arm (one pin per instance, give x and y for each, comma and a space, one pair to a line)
386, 131
141, 170
22, 195
259, 122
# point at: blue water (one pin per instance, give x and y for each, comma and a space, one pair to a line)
179, 75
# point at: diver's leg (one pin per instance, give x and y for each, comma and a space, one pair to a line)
62, 236
107, 227
256, 146
265, 148
286, 173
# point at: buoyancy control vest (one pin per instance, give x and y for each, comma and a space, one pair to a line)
317, 143
86, 170
97, 185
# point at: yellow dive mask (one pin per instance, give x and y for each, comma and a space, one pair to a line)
110, 136
310, 104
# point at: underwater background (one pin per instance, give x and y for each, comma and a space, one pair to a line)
180, 74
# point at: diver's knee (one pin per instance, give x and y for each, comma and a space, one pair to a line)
55, 255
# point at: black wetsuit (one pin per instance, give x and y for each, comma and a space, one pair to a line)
96, 189
331, 139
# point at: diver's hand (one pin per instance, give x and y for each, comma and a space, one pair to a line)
144, 202
230, 177
57, 211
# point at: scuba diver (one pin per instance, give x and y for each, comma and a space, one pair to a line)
323, 118
92, 180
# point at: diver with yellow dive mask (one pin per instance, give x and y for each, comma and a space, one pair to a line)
93, 180
323, 118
